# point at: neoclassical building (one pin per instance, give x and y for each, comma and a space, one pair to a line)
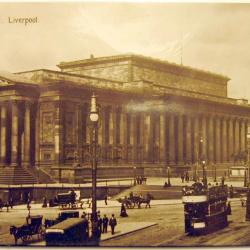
153, 115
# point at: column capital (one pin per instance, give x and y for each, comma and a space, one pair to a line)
28, 103
59, 103
4, 103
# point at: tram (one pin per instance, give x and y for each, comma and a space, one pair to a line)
205, 208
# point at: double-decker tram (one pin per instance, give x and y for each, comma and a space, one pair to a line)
205, 208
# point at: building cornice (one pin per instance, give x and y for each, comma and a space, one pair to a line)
140, 88
152, 63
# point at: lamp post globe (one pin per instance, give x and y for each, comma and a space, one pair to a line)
94, 116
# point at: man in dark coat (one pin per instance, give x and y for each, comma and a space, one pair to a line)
112, 223
229, 211
85, 226
105, 222
182, 177
100, 222
106, 200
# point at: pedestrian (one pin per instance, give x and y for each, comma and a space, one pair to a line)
44, 202
28, 206
187, 176
85, 227
141, 180
99, 223
131, 195
105, 222
229, 211
106, 200
231, 191
11, 202
73, 196
123, 211
182, 177
222, 180
21, 198
112, 223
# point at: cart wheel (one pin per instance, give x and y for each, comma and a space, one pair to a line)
24, 238
40, 233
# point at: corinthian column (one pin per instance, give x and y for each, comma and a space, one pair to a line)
163, 138
180, 139
242, 135
217, 140
236, 136
188, 140
133, 135
147, 137
230, 139
156, 138
14, 134
211, 139
204, 137
3, 134
196, 139
171, 139
224, 140
111, 125
59, 132
27, 134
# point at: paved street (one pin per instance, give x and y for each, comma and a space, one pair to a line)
169, 230
167, 214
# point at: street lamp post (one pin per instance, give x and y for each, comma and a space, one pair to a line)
204, 178
215, 173
196, 166
134, 175
248, 163
94, 117
248, 152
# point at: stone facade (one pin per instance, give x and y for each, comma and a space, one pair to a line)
136, 68
153, 114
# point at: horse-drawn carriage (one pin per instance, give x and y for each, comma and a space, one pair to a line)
136, 200
33, 226
64, 200
4, 204
64, 215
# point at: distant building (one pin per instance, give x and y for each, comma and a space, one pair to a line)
154, 114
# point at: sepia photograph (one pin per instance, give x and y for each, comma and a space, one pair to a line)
124, 124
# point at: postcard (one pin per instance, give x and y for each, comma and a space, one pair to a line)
124, 124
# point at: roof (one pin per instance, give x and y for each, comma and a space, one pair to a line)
13, 78
155, 61
66, 224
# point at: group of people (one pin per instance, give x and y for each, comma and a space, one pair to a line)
7, 204
185, 177
102, 224
140, 179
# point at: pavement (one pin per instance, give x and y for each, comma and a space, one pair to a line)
178, 182
120, 229
125, 227
129, 182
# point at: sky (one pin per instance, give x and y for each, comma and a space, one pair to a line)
208, 36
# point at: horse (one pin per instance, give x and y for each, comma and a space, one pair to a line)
127, 202
145, 200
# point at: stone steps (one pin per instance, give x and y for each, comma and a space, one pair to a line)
16, 175
158, 192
